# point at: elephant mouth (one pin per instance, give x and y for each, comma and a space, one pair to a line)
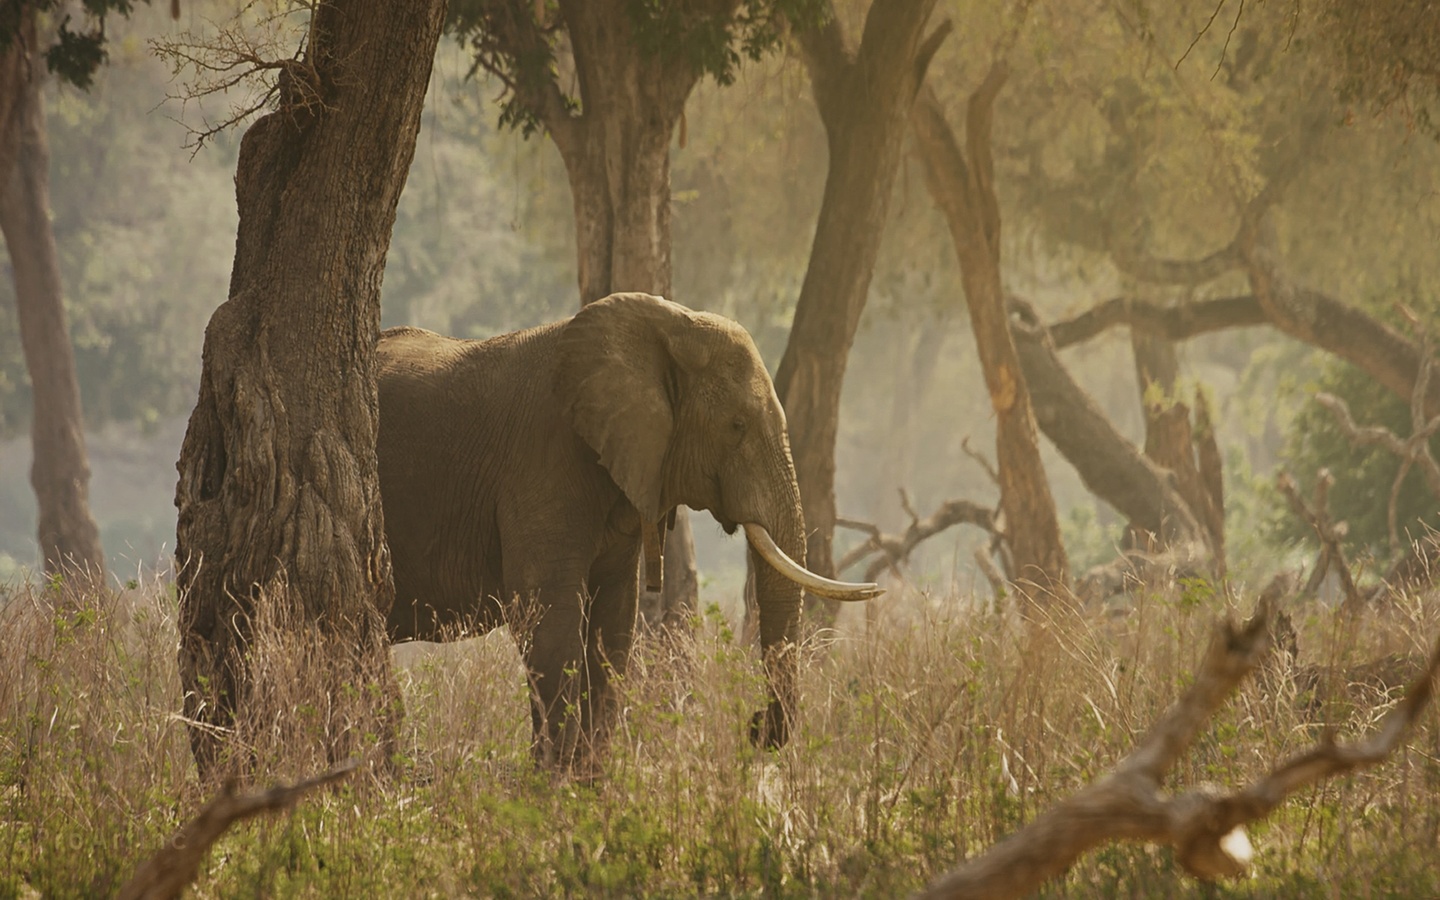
818, 585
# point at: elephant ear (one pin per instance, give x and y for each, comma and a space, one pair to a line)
617, 381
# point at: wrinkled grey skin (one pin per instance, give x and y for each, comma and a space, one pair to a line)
521, 467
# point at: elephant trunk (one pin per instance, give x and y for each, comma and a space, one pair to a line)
780, 583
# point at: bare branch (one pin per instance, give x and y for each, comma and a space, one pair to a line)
174, 866
1332, 555
896, 549
1416, 448
980, 459
265, 54
1176, 323
1204, 827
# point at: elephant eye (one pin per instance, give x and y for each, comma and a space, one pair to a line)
737, 425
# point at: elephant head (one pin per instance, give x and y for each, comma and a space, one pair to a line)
681, 410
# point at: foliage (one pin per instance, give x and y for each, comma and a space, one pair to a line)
75, 56
1385, 52
922, 740
1363, 475
521, 43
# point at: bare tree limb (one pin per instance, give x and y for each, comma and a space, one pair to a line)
174, 866
1415, 448
1332, 555
1205, 828
980, 459
1173, 322
896, 549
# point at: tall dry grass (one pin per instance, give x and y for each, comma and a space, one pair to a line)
924, 736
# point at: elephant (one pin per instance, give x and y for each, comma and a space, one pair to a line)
531, 467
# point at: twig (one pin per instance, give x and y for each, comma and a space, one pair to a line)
979, 459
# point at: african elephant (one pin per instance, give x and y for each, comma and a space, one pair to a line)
532, 465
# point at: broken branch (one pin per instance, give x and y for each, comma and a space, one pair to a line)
1204, 828
174, 866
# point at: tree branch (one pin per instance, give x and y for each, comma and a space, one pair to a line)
174, 866
1204, 827
896, 549
1176, 322
1332, 555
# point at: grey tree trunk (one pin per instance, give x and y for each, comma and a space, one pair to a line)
864, 97
60, 472
280, 522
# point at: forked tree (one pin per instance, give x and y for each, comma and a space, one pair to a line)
278, 496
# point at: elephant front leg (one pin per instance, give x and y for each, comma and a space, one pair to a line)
609, 636
560, 678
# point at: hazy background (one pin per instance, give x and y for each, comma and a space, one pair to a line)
483, 244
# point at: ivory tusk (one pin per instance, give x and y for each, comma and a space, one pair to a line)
819, 585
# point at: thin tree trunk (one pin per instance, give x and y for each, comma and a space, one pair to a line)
1171, 441
864, 98
60, 473
279, 503
964, 190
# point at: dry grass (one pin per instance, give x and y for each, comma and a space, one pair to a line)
923, 737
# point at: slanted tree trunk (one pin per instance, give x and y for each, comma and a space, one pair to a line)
864, 97
278, 496
964, 189
60, 473
1109, 465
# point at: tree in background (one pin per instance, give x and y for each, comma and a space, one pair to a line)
632, 66
963, 185
278, 496
864, 95
60, 472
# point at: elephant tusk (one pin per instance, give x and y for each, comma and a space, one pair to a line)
818, 585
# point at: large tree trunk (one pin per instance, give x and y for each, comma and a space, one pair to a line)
60, 473
864, 98
279, 503
617, 156
964, 190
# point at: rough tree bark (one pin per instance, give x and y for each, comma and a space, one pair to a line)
60, 472
616, 150
864, 97
278, 496
964, 189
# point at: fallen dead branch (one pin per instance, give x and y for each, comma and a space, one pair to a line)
1332, 554
895, 549
174, 866
1203, 826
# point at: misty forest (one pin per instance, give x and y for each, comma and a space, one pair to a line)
784, 448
